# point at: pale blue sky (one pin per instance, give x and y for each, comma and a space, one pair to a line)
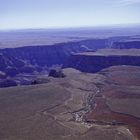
67, 13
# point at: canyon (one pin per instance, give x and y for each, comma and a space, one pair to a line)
77, 89
24, 65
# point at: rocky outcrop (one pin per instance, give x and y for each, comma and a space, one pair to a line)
96, 61
56, 73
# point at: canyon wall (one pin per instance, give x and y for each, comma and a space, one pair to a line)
93, 63
35, 58
31, 59
126, 44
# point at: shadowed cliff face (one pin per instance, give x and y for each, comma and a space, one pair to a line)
35, 58
94, 62
127, 44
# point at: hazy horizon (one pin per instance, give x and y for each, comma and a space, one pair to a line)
26, 14
99, 27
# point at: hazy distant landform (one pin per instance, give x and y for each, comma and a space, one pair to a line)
31, 37
72, 84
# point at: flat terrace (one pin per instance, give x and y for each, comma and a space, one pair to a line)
113, 52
